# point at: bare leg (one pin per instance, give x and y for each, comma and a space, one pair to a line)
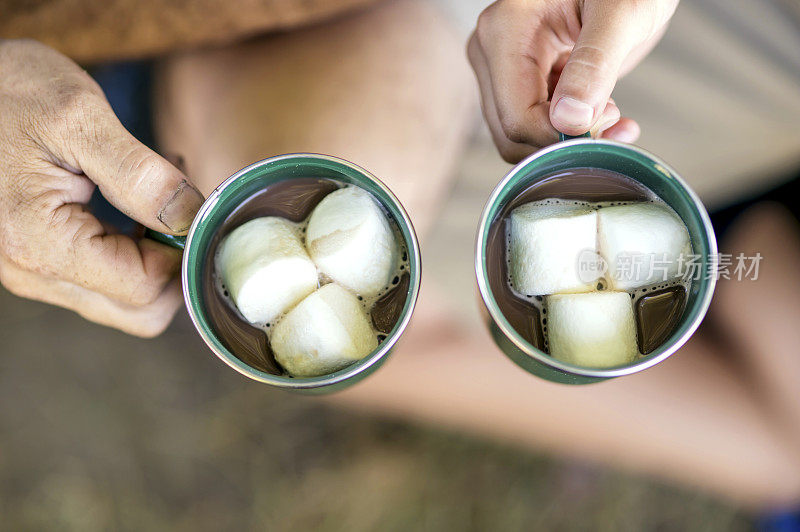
388, 89
689, 419
762, 316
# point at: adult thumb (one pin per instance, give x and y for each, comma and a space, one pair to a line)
608, 34
135, 179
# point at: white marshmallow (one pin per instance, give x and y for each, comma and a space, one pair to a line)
641, 243
265, 268
325, 332
594, 330
547, 242
350, 240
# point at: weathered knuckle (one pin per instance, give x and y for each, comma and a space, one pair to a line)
49, 206
74, 109
78, 240
132, 285
47, 101
39, 207
72, 103
82, 236
16, 198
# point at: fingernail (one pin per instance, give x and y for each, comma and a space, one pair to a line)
178, 213
573, 113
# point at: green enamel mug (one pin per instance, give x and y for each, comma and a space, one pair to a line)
644, 168
231, 194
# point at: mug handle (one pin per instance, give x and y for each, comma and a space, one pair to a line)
177, 242
562, 136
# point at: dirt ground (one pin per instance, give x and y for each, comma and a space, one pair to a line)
102, 431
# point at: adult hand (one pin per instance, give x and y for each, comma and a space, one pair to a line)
545, 66
59, 139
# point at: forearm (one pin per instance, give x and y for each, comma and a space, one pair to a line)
99, 30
